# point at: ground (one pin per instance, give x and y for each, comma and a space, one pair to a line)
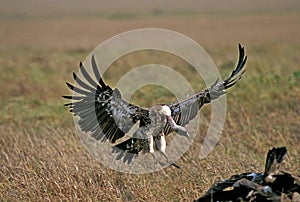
40, 153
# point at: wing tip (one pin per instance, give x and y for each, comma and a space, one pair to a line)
74, 75
70, 85
66, 96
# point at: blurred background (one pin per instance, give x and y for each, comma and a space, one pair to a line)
75, 24
42, 42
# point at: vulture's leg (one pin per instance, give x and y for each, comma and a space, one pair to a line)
162, 145
151, 148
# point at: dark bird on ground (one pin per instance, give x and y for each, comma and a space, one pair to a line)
107, 117
271, 185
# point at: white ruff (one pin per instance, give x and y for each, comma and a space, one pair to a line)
166, 110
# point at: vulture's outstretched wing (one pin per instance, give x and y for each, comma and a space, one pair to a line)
185, 110
101, 110
274, 159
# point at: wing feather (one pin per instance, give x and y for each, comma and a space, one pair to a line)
96, 72
82, 83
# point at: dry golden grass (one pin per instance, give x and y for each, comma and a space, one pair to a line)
41, 156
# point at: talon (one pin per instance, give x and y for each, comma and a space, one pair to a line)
175, 165
154, 158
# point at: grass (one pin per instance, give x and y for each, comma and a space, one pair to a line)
42, 158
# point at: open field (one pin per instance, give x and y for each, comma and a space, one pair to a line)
41, 156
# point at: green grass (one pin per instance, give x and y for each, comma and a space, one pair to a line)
42, 157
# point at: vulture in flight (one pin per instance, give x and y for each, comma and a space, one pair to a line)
107, 117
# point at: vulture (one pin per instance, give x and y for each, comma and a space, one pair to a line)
107, 117
271, 185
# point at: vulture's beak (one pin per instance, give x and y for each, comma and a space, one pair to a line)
181, 131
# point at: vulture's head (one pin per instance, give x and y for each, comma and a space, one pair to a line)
166, 110
177, 128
